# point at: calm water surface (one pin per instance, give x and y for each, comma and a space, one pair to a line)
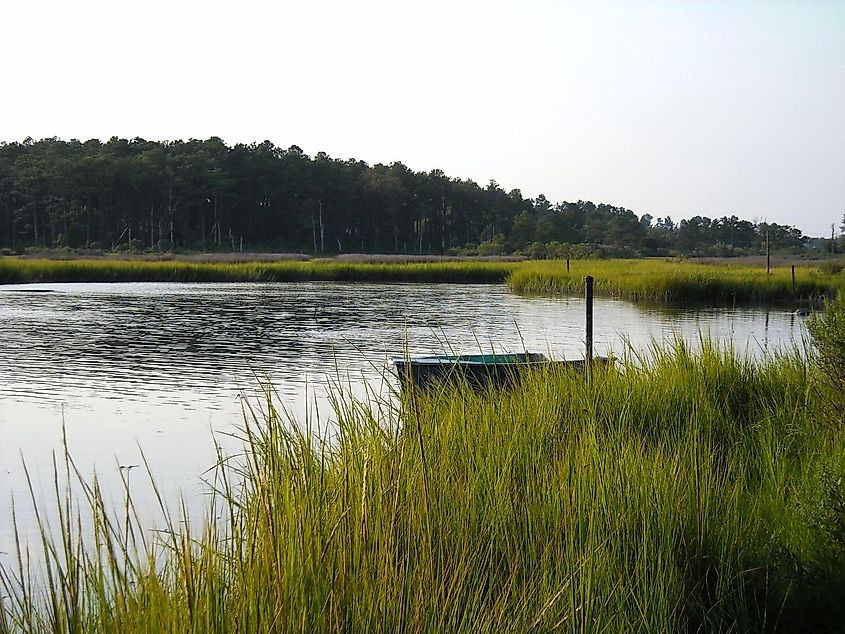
159, 367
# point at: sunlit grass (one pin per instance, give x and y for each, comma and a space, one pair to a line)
657, 281
667, 281
693, 491
19, 270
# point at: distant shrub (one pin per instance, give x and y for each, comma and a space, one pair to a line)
555, 250
495, 246
830, 268
466, 251
615, 252
827, 329
6, 251
135, 245
584, 251
720, 250
537, 251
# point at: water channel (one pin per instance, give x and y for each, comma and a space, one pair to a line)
164, 367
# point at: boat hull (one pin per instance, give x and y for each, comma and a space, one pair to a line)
478, 371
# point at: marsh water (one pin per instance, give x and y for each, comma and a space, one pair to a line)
166, 368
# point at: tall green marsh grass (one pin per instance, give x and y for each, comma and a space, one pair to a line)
18, 270
673, 282
695, 490
656, 281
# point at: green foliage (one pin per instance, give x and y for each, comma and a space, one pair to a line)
495, 246
663, 281
19, 270
674, 281
827, 329
135, 245
535, 251
132, 246
696, 491
205, 195
556, 250
830, 268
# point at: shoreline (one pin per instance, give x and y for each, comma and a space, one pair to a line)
649, 281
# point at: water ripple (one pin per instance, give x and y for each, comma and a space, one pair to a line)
122, 362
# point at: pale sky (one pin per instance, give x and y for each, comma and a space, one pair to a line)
671, 107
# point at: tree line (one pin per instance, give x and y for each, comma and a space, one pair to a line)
205, 195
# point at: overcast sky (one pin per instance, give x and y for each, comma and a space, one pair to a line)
677, 108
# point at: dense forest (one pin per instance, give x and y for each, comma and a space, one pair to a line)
204, 195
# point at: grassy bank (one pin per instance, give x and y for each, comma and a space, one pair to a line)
656, 281
19, 270
696, 492
673, 282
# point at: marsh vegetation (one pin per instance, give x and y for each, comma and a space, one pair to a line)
662, 281
143, 196
677, 282
682, 491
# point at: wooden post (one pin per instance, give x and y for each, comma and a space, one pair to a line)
768, 254
793, 282
567, 265
588, 290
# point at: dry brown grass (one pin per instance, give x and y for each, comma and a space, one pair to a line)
387, 258
760, 260
363, 258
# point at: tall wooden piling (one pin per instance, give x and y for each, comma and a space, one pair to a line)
768, 253
793, 283
588, 296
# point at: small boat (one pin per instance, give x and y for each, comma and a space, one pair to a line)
491, 370
478, 370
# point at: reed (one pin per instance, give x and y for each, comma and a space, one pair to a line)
655, 281
674, 282
685, 491
20, 270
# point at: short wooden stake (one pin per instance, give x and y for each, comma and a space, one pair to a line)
567, 265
